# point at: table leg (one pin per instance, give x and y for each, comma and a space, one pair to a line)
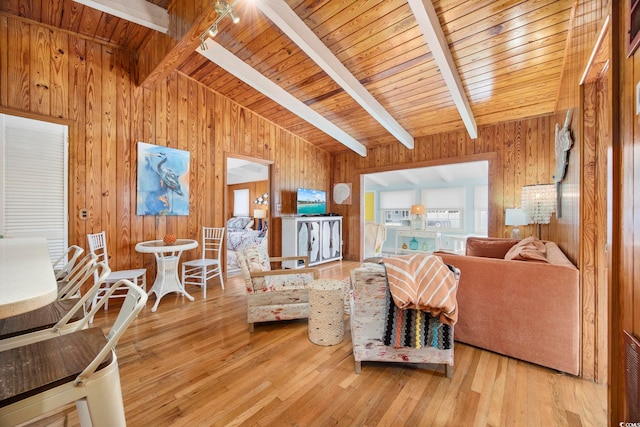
167, 279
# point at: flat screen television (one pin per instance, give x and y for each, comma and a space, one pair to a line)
311, 202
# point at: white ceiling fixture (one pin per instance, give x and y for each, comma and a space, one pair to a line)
286, 19
429, 24
234, 65
139, 11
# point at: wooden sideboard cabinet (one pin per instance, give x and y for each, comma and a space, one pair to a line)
318, 237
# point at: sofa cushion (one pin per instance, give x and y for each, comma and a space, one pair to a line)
529, 249
488, 247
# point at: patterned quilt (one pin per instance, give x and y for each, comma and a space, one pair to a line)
236, 239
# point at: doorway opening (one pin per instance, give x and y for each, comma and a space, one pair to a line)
247, 208
445, 202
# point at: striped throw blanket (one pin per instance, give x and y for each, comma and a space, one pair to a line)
423, 282
414, 328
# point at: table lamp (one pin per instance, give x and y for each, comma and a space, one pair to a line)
417, 217
515, 217
259, 214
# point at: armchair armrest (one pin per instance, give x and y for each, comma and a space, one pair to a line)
311, 270
290, 258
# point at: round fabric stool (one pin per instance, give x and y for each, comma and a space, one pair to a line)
326, 312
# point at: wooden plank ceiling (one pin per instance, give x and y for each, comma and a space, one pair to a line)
508, 53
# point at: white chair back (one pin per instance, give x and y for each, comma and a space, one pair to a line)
134, 301
101, 270
77, 277
65, 263
212, 241
98, 246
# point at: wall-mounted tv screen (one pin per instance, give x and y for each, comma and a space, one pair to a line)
311, 202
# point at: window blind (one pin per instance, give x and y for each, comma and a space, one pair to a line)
33, 181
397, 199
241, 202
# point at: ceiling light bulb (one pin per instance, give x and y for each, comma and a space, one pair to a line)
213, 31
235, 18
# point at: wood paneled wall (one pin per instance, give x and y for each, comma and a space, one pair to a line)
581, 232
625, 286
54, 75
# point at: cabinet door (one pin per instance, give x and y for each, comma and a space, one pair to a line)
336, 239
326, 239
303, 239
314, 241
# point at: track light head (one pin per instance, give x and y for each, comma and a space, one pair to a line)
213, 30
235, 18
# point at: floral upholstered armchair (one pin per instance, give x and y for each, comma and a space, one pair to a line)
274, 294
369, 314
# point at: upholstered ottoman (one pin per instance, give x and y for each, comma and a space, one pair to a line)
326, 312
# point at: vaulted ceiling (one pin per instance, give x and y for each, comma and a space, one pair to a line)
507, 57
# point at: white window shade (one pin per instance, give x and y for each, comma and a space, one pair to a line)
241, 202
442, 198
397, 199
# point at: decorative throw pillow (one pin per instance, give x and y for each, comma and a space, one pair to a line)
488, 247
529, 249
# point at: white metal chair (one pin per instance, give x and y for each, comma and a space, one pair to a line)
199, 271
90, 378
54, 319
65, 263
69, 286
98, 246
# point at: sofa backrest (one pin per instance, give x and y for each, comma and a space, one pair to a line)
494, 247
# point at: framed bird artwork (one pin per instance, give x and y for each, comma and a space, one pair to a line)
163, 180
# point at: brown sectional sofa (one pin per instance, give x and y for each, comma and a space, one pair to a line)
523, 309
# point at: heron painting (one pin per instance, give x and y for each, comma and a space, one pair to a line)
163, 180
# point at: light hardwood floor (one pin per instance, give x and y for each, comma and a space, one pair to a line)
195, 364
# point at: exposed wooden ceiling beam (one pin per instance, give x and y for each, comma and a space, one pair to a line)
429, 24
286, 19
139, 11
234, 65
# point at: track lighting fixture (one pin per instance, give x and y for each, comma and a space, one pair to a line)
222, 8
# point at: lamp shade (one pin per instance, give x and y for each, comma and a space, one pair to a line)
259, 213
417, 209
515, 217
539, 202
